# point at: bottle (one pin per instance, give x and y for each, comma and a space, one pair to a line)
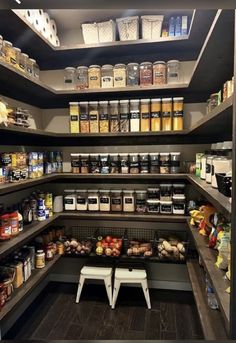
172, 26
178, 26
20, 218
27, 212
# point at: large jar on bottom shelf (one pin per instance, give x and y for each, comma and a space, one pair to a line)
145, 115
116, 200
105, 200
114, 116
140, 201
93, 117
119, 75
124, 115
94, 76
107, 76
132, 72
82, 200
166, 114
134, 116
178, 114
103, 117
128, 201
84, 117
93, 200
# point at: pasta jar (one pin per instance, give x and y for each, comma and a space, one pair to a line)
153, 193
140, 201
84, 117
155, 115
165, 192
114, 164
144, 163
105, 163
69, 78
154, 163
84, 163
94, 76
134, 164
175, 162
145, 74
75, 163
114, 116
132, 72
107, 76
8, 51
124, 115
153, 206
93, 117
164, 163
40, 259
173, 68
134, 116
128, 200
105, 200
179, 205
124, 163
93, 200
167, 114
178, 113
103, 117
145, 115
166, 207
82, 200
159, 73
95, 167
23, 62
116, 200
119, 75
82, 77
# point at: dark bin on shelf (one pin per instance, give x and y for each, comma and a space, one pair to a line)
140, 243
109, 242
79, 242
224, 184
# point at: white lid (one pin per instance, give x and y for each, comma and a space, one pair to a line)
116, 190
153, 189
174, 153
164, 153
84, 154
18, 49
69, 190
173, 61
227, 145
104, 190
154, 153
128, 190
166, 202
114, 154
140, 191
39, 252
143, 63
94, 66
103, 102
109, 66
82, 67
93, 103
83, 102
119, 65
73, 154
8, 43
181, 98
145, 100
156, 100
81, 191
124, 154
159, 62
219, 146
213, 146
182, 185
25, 55
166, 185
134, 101
104, 154
70, 68
32, 60
92, 190
114, 102
178, 197
153, 201
166, 99
124, 101
73, 103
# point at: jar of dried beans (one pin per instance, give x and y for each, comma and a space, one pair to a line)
146, 74
103, 117
159, 73
114, 116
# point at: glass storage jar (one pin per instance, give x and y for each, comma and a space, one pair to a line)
94, 161
30, 66
18, 54
8, 51
70, 200
174, 162
82, 77
144, 163
132, 72
105, 200
128, 200
178, 189
133, 163
114, 116
36, 71
124, 163
154, 163
164, 163
69, 78
84, 163
103, 117
134, 116
166, 114
1, 49
107, 76
173, 69
124, 115
105, 163
220, 164
119, 75
93, 200
114, 164
140, 201
93, 117
159, 73
75, 163
165, 191
155, 115
116, 200
153, 206
178, 114
179, 205
82, 200
145, 74
153, 193
23, 62
145, 115
166, 207
94, 76
84, 116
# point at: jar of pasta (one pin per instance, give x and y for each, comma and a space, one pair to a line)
94, 163
159, 73
132, 73
114, 116
84, 117
93, 117
103, 117
134, 164
124, 115
155, 115
94, 76
167, 114
178, 113
81, 77
134, 116
145, 115
107, 76
146, 74
84, 163
124, 163
119, 75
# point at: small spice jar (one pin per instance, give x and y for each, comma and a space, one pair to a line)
154, 163
124, 115
145, 74
173, 68
75, 163
103, 117
167, 114
178, 205
140, 201
105, 163
128, 201
81, 77
164, 163
69, 78
144, 163
153, 193
174, 162
155, 115
84, 117
134, 116
114, 116
178, 189
153, 206
178, 113
49, 253
124, 163
132, 72
107, 76
40, 259
94, 164
94, 76
119, 75
82, 200
166, 207
93, 117
159, 73
104, 200
93, 200
165, 192
84, 163
134, 164
114, 164
116, 200
145, 115
70, 200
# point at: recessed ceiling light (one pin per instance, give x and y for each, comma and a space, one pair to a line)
18, 1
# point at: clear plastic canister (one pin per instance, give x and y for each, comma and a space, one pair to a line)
166, 114
173, 69
155, 115
103, 117
134, 116
8, 50
107, 76
114, 116
84, 117
23, 62
132, 72
178, 113
145, 115
30, 66
94, 76
124, 115
69, 78
119, 75
18, 53
82, 77
145, 74
159, 73
93, 117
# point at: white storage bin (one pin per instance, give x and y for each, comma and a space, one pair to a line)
107, 31
151, 26
90, 33
128, 28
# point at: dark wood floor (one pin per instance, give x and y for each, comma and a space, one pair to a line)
54, 315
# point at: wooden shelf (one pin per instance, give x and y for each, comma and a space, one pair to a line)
37, 276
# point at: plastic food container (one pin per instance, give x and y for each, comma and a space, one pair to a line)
151, 26
159, 73
153, 193
93, 200
144, 163
134, 164
75, 163
153, 206
155, 115
114, 164
178, 205
140, 201
132, 72
128, 201
94, 76
84, 117
82, 200
145, 74
166, 207
84, 163
30, 66
107, 76
124, 163
70, 200
116, 200
165, 192
23, 63
69, 77
17, 64
145, 115
95, 167
105, 200
103, 117
119, 75
8, 51
124, 115
173, 69
174, 162
82, 77
154, 163
178, 114
178, 189
164, 163
93, 117
134, 116
105, 163
167, 114
114, 116
128, 28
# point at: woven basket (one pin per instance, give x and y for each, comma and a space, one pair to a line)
90, 33
151, 26
107, 31
128, 28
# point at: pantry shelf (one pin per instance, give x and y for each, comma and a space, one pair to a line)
37, 276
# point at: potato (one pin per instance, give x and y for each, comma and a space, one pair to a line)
136, 251
148, 253
176, 253
130, 252
173, 240
160, 247
181, 248
79, 248
164, 253
181, 257
167, 246
74, 244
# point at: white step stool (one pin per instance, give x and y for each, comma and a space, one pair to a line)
96, 273
123, 275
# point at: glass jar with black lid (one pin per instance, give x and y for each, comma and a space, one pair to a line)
114, 164
133, 163
105, 163
175, 162
140, 201
165, 191
94, 161
84, 164
154, 163
144, 163
124, 163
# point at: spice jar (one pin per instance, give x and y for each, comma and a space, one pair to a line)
84, 117
133, 163
178, 190
69, 78
145, 74
82, 200
140, 201
116, 200
93, 200
49, 254
155, 115
114, 116
144, 163
70, 200
173, 68
93, 117
166, 207
128, 200
75, 163
164, 163
145, 115
132, 72
124, 115
107, 76
81, 77
5, 227
14, 223
105, 200
119, 75
114, 164
105, 163
94, 162
167, 114
178, 113
154, 163
153, 206
84, 163
159, 73
165, 192
103, 117
94, 76
134, 116
174, 162
124, 163
40, 259
178, 205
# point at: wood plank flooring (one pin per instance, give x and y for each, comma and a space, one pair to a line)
54, 315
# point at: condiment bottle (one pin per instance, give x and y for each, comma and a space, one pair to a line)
40, 259
14, 222
5, 227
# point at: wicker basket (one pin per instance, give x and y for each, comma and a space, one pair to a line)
128, 28
151, 26
224, 184
107, 31
90, 33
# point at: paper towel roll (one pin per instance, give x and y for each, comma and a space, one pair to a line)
56, 41
46, 31
30, 15
54, 26
39, 20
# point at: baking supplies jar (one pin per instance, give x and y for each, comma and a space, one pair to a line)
154, 163
94, 76
178, 204
174, 162
173, 69
82, 200
144, 163
134, 116
114, 164
104, 200
114, 116
153, 193
116, 200
140, 201
155, 115
94, 164
165, 192
145, 115
75, 163
69, 78
74, 117
84, 163
93, 117
164, 163
103, 117
128, 201
93, 200
159, 73
119, 75
178, 113
124, 115
145, 70
40, 259
166, 207
104, 163
166, 114
132, 72
124, 163
70, 200
107, 76
133, 163
153, 206
178, 189
84, 117
82, 77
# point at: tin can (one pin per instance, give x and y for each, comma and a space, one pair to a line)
40, 259
41, 204
41, 215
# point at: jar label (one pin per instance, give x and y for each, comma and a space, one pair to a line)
178, 114
107, 79
145, 115
116, 201
166, 194
153, 195
140, 202
13, 60
208, 168
74, 118
93, 78
153, 208
155, 163
75, 163
134, 165
179, 206
114, 117
81, 201
84, 163
166, 114
129, 200
103, 116
23, 68
104, 200
69, 201
159, 74
134, 115
92, 201
174, 75
84, 116
93, 117
124, 116
66, 80
166, 208
156, 114
119, 78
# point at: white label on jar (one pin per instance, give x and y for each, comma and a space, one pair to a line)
69, 201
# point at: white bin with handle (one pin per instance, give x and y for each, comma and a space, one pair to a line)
151, 26
128, 28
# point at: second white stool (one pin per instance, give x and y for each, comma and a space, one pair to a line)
123, 275
96, 273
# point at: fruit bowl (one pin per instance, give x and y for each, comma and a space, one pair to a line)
108, 245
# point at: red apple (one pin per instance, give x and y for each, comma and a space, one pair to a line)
108, 239
111, 245
114, 240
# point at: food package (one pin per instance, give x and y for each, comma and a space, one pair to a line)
171, 248
140, 248
76, 247
224, 251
